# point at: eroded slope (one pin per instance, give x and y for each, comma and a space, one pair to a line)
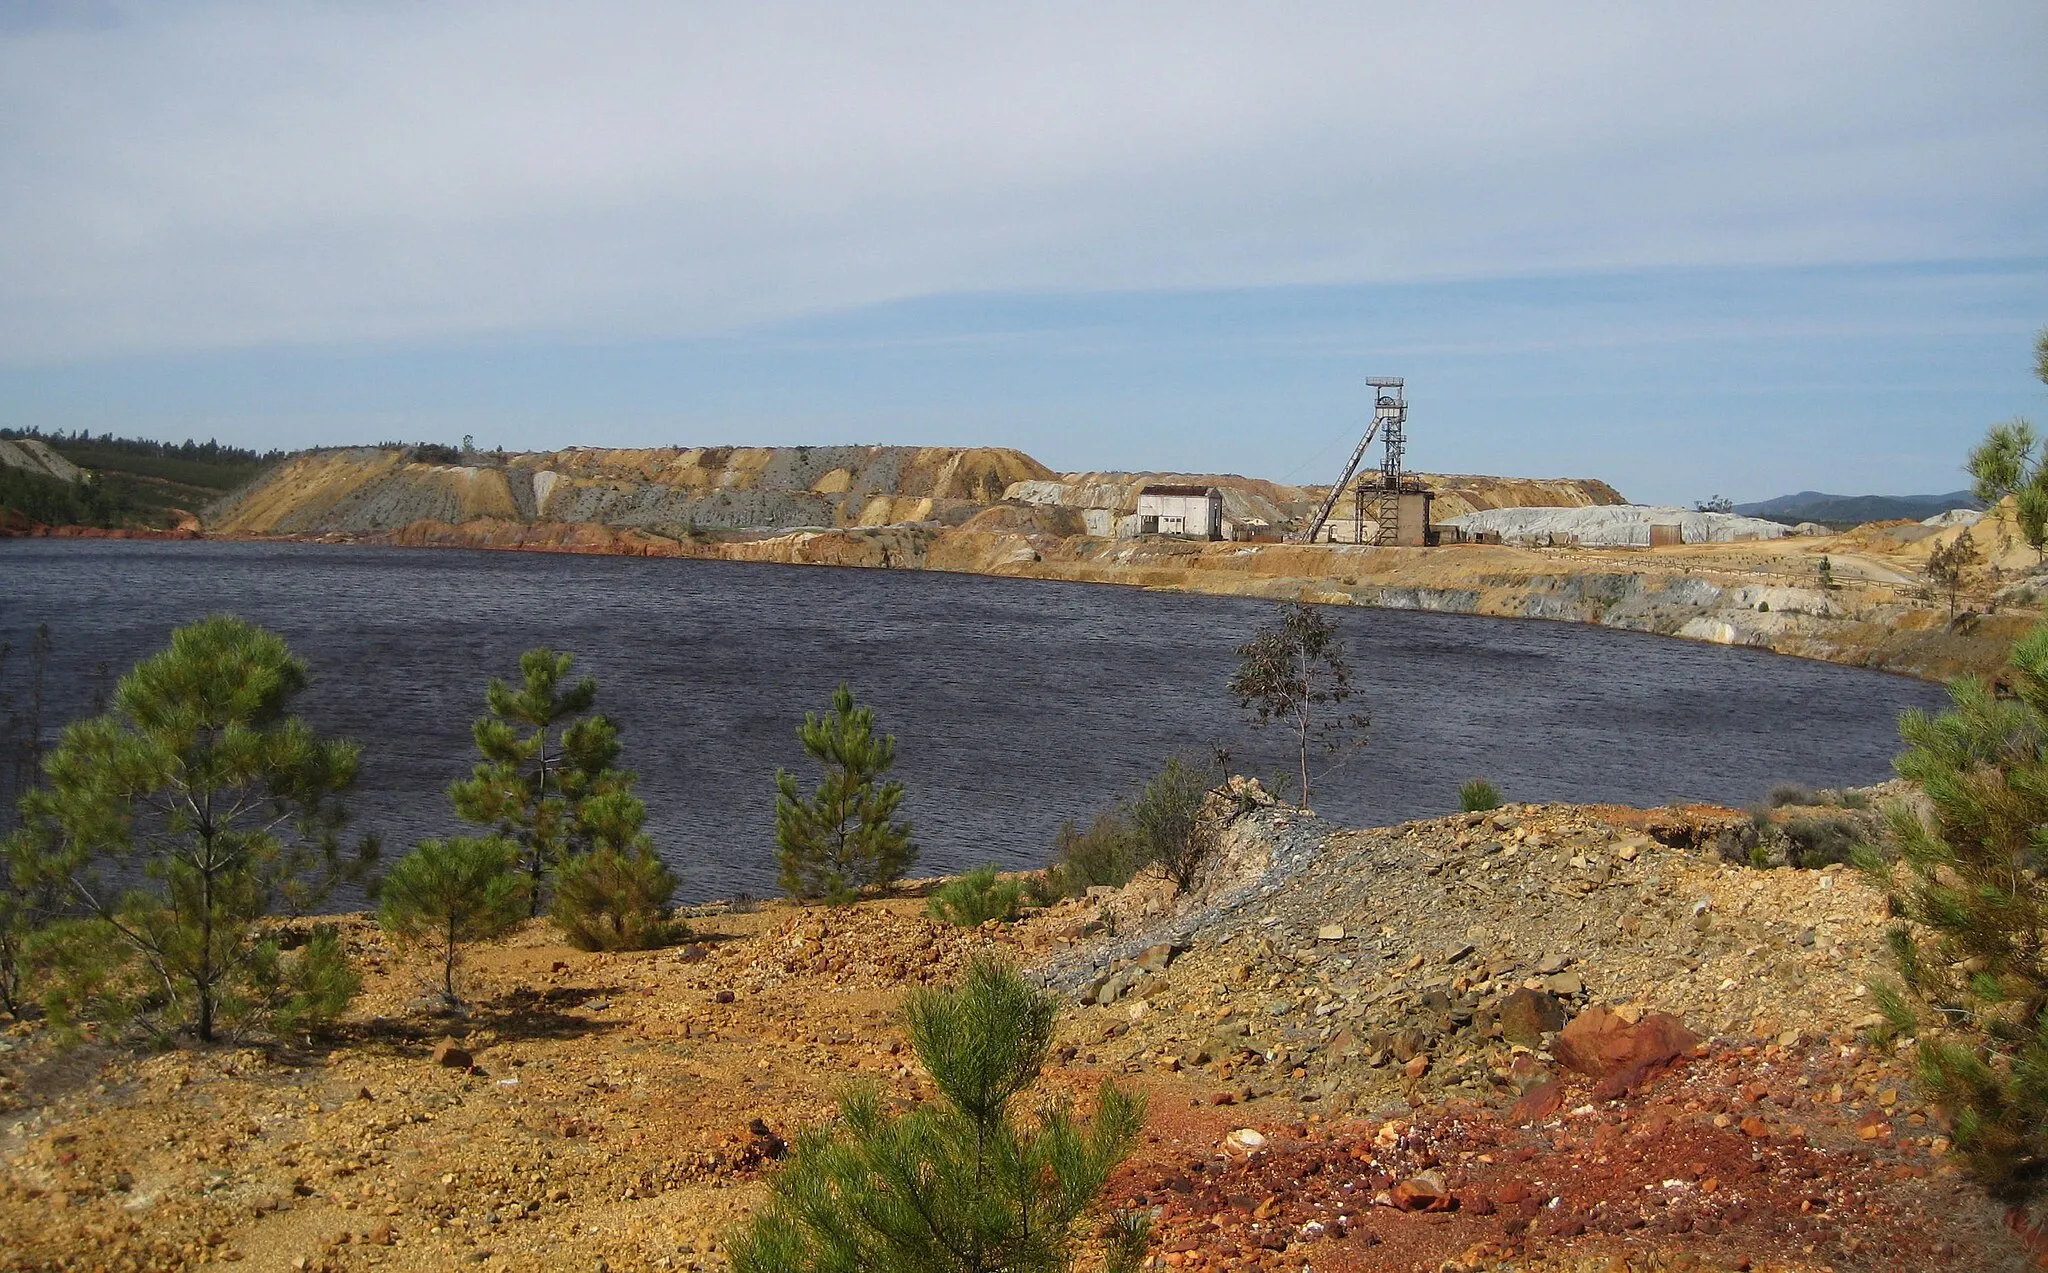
366, 489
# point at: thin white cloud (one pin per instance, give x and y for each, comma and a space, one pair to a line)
179, 176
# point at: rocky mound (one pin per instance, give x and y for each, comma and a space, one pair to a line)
1361, 965
1460, 493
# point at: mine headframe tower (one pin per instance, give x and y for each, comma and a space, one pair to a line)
1374, 499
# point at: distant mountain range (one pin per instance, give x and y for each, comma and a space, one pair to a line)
1852, 510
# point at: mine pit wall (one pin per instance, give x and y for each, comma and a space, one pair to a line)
999, 512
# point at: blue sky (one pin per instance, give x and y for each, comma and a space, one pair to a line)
1740, 249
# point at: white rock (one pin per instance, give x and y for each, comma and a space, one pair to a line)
1612, 525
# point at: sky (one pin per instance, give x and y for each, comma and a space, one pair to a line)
1736, 249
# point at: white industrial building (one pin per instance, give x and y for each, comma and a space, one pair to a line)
1195, 512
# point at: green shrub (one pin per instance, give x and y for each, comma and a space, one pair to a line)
1732, 843
1042, 888
614, 894
1822, 841
615, 899
310, 988
1792, 793
1857, 800
963, 1183
977, 897
1169, 823
1477, 795
1103, 855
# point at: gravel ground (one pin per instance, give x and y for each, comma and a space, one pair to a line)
1306, 1086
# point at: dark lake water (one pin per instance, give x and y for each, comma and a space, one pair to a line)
1015, 704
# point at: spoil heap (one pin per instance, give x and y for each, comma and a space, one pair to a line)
1543, 1037
1363, 965
674, 490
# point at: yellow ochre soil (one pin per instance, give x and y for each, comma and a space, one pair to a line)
619, 1112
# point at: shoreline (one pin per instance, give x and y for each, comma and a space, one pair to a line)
1719, 594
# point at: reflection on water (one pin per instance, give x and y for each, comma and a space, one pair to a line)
1016, 704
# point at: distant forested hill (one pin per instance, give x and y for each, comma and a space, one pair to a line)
1853, 510
127, 481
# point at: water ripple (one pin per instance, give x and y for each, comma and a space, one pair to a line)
1016, 704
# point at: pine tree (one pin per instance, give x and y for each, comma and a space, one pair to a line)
1106, 853
312, 989
541, 758
170, 825
2030, 511
27, 900
615, 895
2007, 463
447, 892
845, 837
964, 1185
1973, 954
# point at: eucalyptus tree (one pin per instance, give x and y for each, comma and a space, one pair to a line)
1295, 673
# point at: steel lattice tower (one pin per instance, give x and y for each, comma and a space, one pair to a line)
1389, 420
1390, 413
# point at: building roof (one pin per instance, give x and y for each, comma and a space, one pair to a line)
1177, 490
